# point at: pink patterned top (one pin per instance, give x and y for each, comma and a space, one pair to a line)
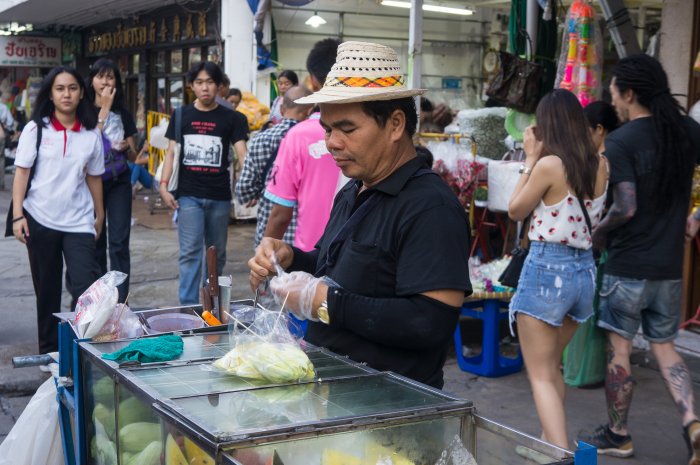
564, 222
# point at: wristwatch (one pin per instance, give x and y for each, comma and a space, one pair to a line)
322, 313
524, 169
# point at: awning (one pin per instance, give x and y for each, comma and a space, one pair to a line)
79, 13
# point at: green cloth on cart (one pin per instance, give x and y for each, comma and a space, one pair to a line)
148, 350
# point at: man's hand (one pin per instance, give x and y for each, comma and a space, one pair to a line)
600, 239
99, 222
262, 265
251, 203
297, 291
168, 198
691, 227
21, 230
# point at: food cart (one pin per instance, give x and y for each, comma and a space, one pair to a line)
184, 412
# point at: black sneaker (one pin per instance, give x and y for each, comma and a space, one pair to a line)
609, 443
692, 439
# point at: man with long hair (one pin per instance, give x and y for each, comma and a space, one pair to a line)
652, 157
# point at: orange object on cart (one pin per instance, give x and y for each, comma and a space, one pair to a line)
210, 318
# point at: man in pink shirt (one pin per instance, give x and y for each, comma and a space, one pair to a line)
304, 174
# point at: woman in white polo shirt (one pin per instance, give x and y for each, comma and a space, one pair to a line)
59, 214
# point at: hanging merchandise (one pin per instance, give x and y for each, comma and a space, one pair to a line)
516, 84
579, 69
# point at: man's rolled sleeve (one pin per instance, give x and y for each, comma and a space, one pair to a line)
283, 187
434, 252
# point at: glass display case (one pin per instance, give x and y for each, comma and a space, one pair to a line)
186, 412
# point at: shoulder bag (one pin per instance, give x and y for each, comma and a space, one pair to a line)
517, 83
8, 223
175, 175
511, 275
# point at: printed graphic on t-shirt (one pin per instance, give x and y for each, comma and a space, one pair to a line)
202, 150
318, 149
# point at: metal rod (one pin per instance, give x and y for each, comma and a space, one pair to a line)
31, 360
380, 15
365, 36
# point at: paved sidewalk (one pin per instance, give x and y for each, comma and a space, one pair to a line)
654, 422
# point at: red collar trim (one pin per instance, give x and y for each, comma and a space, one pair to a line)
59, 127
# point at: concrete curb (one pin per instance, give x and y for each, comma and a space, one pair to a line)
21, 381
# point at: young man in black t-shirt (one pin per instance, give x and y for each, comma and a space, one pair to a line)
652, 157
203, 197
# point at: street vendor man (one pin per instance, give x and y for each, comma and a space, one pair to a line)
385, 283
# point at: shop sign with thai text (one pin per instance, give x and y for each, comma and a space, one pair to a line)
30, 51
148, 32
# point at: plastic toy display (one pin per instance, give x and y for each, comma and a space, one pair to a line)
579, 69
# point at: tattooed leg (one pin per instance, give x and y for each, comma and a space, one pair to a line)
677, 377
619, 384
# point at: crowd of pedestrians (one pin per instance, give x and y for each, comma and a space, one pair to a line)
375, 245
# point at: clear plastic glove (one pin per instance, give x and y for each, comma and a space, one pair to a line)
299, 290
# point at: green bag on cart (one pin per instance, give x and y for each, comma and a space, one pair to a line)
584, 357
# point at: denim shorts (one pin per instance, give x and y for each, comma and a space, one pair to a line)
625, 303
556, 281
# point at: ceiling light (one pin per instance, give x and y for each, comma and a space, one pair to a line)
315, 20
429, 7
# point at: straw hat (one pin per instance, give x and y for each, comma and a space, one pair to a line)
363, 72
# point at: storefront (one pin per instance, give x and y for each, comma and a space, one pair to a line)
24, 61
154, 51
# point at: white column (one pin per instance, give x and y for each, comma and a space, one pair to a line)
674, 52
415, 44
533, 11
240, 62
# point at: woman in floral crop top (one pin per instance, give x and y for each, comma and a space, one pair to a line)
562, 175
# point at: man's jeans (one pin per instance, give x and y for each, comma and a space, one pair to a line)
200, 224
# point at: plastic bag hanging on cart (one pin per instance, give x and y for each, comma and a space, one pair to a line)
36, 437
265, 349
97, 304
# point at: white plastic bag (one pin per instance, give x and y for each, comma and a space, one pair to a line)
97, 303
113, 128
503, 176
122, 324
36, 437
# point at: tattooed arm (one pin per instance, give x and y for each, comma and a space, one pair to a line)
622, 210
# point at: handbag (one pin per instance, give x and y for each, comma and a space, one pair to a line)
585, 363
8, 221
175, 175
516, 85
511, 274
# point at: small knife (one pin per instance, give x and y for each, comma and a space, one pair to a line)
213, 277
206, 299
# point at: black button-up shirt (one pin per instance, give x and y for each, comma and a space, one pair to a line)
415, 239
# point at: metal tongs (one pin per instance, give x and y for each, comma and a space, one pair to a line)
264, 286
